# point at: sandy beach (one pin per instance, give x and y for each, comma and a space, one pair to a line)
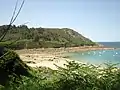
50, 57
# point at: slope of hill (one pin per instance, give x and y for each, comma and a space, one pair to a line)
43, 37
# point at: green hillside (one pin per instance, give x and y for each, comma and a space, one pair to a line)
43, 37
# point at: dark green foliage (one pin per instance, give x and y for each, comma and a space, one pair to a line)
15, 45
11, 64
74, 77
51, 37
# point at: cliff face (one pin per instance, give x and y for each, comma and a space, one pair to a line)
46, 37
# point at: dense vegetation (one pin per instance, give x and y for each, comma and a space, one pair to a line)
74, 77
42, 37
11, 65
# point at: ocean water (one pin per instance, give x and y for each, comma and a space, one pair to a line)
99, 57
111, 44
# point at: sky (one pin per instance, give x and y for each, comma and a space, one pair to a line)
98, 20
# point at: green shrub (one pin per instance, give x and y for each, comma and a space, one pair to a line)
11, 64
74, 77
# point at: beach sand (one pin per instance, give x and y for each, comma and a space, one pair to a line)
43, 57
50, 57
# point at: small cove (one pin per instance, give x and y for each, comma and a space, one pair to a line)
97, 57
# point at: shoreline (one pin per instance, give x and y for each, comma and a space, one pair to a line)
63, 50
49, 57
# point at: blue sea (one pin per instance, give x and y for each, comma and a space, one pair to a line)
99, 57
111, 44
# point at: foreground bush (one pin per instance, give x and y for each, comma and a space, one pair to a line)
74, 77
88, 77
11, 65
